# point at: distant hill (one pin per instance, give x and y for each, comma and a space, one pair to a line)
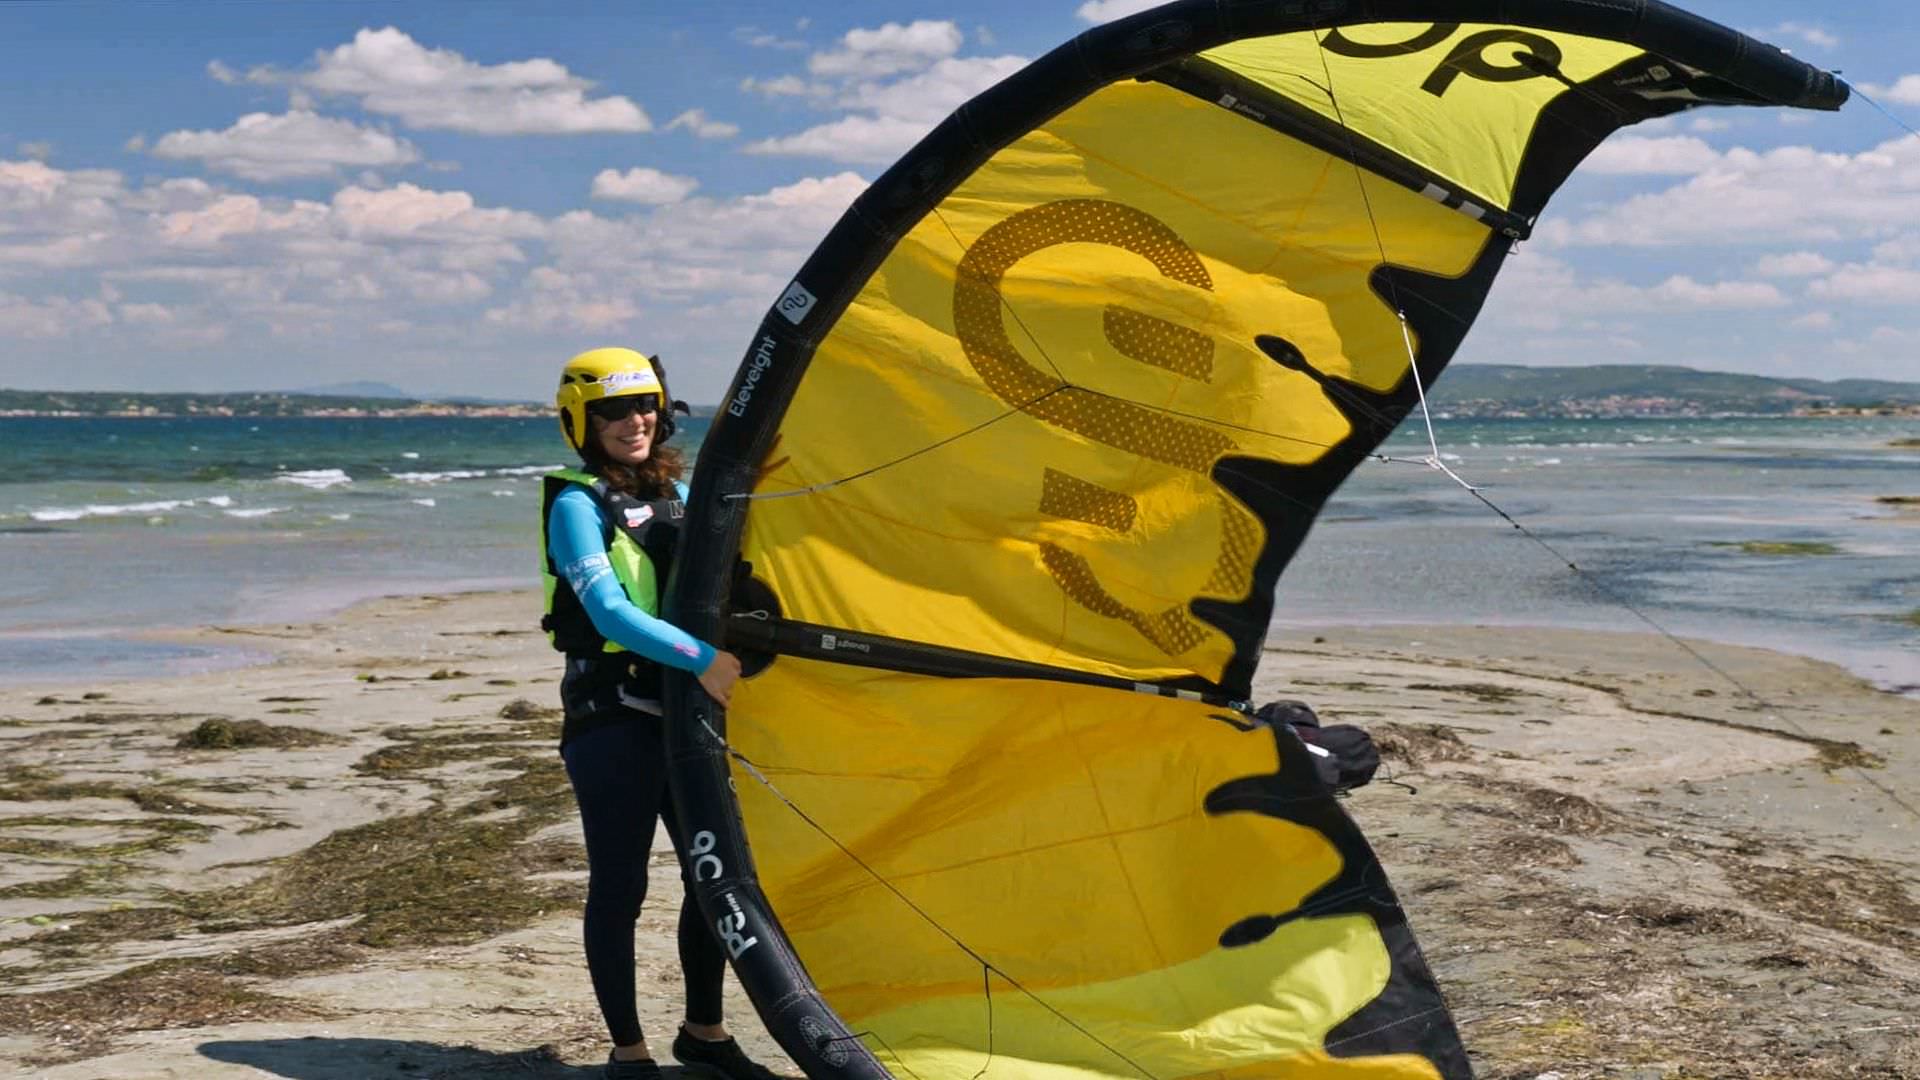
1644, 389
389, 392
355, 390
1862, 391
270, 403
1463, 390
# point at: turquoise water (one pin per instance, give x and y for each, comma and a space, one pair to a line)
116, 525
1654, 513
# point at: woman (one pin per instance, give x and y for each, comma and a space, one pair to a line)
609, 532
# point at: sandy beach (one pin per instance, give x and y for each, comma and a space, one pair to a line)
361, 859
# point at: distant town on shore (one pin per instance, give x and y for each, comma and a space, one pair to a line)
1472, 391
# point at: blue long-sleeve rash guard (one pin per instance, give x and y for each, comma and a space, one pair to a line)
576, 528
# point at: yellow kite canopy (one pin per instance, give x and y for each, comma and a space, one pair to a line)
1017, 460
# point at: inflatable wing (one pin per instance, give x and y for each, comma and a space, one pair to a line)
1016, 462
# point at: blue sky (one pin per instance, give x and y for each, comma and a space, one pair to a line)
452, 198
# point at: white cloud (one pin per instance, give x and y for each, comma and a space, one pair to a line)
1100, 11
1546, 310
1670, 155
80, 249
145, 313
1794, 264
53, 318
643, 185
889, 117
784, 86
856, 140
1904, 90
221, 73
1706, 125
1537, 292
892, 84
1803, 32
21, 180
709, 266
182, 264
1883, 352
398, 212
559, 301
182, 193
931, 94
1870, 285
439, 287
38, 151
260, 146
757, 38
819, 199
1686, 293
1904, 248
705, 243
1792, 194
409, 212
54, 218
391, 73
889, 50
235, 215
696, 121
1813, 320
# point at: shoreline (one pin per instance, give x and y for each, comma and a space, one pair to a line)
1902, 683
1607, 859
217, 649
1470, 409
223, 654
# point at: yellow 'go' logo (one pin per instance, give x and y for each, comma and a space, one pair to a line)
1123, 425
1470, 57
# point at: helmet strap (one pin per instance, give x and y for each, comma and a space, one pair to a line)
663, 425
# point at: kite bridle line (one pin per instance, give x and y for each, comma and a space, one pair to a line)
828, 485
1882, 109
1768, 709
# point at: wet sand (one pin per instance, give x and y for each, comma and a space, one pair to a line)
361, 860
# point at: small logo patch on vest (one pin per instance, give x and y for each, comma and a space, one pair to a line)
639, 515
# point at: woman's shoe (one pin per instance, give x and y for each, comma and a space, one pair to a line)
722, 1059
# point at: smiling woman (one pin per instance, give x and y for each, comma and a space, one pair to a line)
611, 531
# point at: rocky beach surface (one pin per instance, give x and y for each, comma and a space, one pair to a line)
1624, 857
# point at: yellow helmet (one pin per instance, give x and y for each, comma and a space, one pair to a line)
602, 373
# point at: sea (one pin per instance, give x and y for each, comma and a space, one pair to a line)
1756, 531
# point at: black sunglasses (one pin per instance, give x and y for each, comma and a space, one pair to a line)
619, 408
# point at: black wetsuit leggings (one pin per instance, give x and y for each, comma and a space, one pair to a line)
620, 781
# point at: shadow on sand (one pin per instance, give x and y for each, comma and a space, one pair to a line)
318, 1057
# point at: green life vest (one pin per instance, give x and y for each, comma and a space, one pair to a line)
639, 547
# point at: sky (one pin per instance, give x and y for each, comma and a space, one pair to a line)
454, 198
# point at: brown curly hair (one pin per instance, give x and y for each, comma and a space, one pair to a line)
651, 479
